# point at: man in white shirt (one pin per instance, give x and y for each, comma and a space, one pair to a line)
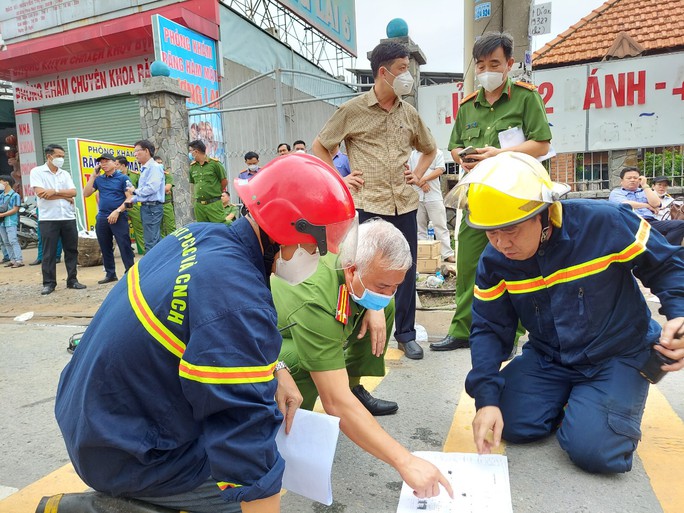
660, 185
55, 191
431, 203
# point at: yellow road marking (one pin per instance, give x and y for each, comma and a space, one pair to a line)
460, 436
661, 451
62, 480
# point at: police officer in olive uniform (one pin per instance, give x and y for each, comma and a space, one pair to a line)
209, 178
499, 105
169, 218
133, 212
328, 320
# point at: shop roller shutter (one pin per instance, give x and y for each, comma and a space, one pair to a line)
115, 119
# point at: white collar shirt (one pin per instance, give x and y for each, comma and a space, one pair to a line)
435, 192
57, 209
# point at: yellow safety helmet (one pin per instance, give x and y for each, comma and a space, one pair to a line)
505, 190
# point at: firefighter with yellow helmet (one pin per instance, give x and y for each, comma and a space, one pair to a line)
567, 270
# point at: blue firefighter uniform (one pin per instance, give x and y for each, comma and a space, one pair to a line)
589, 327
173, 380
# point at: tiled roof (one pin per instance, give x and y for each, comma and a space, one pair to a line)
657, 25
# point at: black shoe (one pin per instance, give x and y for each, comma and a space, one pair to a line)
47, 289
108, 279
4, 260
450, 343
377, 407
76, 285
36, 262
411, 349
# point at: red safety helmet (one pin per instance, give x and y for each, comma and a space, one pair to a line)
299, 199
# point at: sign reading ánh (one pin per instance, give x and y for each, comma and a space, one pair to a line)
626, 103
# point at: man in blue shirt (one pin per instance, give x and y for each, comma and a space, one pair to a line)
112, 219
150, 193
341, 162
252, 163
635, 191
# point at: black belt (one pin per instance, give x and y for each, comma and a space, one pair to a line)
207, 201
151, 202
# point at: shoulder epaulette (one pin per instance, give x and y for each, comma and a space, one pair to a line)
469, 97
214, 159
526, 85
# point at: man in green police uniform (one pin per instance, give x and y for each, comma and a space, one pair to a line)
134, 212
341, 328
168, 224
209, 178
500, 105
230, 210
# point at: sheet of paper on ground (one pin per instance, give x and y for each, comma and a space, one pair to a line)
480, 485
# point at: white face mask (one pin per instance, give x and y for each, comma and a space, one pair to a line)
297, 269
58, 161
252, 167
490, 80
403, 83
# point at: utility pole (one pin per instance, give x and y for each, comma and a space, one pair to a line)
510, 16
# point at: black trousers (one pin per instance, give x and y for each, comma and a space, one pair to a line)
672, 229
50, 233
405, 299
121, 233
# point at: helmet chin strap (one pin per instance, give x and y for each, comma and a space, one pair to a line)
546, 229
270, 251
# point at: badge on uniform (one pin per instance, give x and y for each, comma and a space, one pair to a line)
343, 308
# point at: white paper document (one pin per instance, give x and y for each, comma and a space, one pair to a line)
480, 485
514, 137
308, 451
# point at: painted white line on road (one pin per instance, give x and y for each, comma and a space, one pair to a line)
6, 491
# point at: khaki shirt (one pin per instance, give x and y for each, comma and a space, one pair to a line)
379, 144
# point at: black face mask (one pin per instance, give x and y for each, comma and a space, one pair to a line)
270, 251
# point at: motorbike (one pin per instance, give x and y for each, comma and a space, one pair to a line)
27, 230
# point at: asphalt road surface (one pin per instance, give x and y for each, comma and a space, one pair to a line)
434, 415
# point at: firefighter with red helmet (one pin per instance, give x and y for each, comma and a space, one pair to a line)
169, 397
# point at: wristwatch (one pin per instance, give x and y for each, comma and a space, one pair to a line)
280, 366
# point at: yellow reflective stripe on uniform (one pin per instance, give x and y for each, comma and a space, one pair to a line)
490, 294
575, 272
223, 485
147, 318
226, 375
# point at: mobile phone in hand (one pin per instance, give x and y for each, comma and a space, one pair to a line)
465, 152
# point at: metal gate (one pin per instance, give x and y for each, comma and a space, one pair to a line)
265, 110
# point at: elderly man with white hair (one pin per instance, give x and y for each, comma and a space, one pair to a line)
337, 325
